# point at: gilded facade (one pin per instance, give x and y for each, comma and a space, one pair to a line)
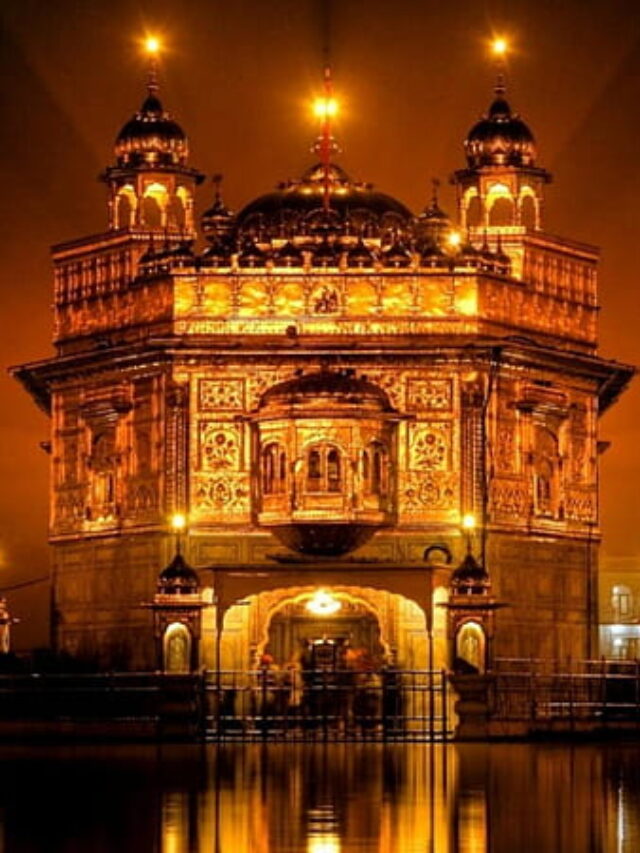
325, 391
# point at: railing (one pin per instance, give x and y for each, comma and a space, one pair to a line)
542, 691
327, 705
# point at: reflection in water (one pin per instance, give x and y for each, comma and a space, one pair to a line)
338, 798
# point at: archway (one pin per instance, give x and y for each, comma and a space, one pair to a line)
176, 648
389, 625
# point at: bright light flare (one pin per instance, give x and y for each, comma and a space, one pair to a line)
499, 46
324, 108
152, 45
178, 521
454, 239
468, 521
323, 604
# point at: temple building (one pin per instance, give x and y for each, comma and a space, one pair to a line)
325, 392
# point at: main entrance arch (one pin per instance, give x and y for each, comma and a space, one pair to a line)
387, 626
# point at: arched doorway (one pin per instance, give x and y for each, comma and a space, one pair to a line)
322, 628
176, 648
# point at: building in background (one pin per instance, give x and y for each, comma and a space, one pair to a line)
325, 391
619, 595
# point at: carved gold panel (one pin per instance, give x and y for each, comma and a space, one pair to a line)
361, 298
220, 394
288, 299
220, 446
253, 298
430, 446
429, 395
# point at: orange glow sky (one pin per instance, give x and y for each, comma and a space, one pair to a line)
239, 76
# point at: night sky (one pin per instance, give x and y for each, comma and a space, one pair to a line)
412, 77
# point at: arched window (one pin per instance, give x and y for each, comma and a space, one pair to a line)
324, 469
176, 213
334, 481
528, 212
366, 470
124, 210
474, 212
501, 212
274, 469
378, 471
621, 602
282, 478
176, 648
470, 645
151, 213
314, 471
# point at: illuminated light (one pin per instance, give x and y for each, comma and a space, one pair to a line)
329, 843
152, 45
468, 521
499, 189
499, 46
178, 521
325, 107
323, 604
454, 239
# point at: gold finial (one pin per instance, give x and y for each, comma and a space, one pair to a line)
326, 108
500, 49
152, 46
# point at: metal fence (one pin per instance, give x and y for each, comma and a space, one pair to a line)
571, 691
327, 705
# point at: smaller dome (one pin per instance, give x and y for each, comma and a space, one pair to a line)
328, 386
178, 578
470, 578
500, 138
217, 221
151, 137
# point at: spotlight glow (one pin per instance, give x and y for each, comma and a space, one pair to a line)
499, 46
323, 604
152, 45
325, 108
178, 521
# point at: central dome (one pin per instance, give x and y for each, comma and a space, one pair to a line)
297, 207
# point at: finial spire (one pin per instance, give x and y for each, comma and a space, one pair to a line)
152, 47
499, 48
435, 187
325, 108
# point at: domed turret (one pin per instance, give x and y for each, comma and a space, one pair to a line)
500, 138
178, 578
151, 184
151, 137
502, 187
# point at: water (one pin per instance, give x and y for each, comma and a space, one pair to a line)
336, 798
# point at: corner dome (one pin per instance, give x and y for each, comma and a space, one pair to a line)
470, 577
296, 207
178, 578
151, 137
500, 138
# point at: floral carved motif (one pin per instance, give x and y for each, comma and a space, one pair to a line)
215, 494
430, 446
429, 394
219, 447
430, 491
220, 394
